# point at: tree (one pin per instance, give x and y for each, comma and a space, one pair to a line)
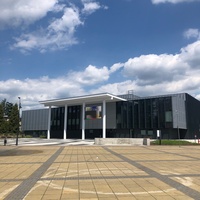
4, 122
9, 117
1, 119
7, 107
14, 119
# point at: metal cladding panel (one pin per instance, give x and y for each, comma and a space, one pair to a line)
193, 117
35, 120
179, 111
110, 118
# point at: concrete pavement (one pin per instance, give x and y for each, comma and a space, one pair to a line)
99, 172
46, 142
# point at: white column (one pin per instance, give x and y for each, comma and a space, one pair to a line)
65, 124
83, 121
49, 123
104, 119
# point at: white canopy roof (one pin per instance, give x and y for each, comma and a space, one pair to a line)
88, 99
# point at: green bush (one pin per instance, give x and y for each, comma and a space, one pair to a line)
28, 136
173, 142
43, 136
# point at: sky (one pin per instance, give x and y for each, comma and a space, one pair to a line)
54, 49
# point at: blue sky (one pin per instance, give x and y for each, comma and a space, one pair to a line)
65, 48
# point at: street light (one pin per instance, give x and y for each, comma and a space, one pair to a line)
19, 107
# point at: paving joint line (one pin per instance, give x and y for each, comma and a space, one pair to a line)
95, 177
20, 163
177, 154
22, 189
182, 188
99, 177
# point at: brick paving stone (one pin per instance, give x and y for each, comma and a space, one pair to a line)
98, 172
174, 184
21, 191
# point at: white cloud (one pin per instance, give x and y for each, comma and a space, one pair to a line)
190, 55
160, 74
146, 75
172, 1
33, 90
91, 75
68, 22
58, 35
192, 33
151, 69
156, 74
90, 6
20, 12
116, 88
116, 67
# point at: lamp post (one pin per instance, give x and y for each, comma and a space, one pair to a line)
19, 107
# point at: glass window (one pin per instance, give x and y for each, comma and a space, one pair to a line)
168, 116
143, 132
150, 132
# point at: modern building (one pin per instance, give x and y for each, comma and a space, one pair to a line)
106, 115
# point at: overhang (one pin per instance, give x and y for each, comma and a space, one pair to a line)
87, 99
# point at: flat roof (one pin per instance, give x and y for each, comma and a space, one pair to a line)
79, 100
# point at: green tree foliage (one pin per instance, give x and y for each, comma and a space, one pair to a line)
14, 119
1, 119
7, 107
3, 106
9, 118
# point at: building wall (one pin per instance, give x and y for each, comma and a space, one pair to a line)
179, 111
35, 120
141, 117
193, 117
110, 118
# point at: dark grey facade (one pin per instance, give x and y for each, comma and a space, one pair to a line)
175, 116
35, 122
143, 117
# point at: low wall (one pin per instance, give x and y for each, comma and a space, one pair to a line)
122, 141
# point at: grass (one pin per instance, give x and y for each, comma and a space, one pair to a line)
173, 142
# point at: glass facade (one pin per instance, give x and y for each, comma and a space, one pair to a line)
57, 118
73, 122
74, 117
134, 118
144, 116
173, 115
57, 122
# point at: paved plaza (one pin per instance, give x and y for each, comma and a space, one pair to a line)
86, 171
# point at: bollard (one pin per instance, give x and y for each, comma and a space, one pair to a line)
5, 141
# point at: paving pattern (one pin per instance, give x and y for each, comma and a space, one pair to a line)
99, 172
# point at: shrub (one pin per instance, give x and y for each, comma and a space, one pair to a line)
173, 142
